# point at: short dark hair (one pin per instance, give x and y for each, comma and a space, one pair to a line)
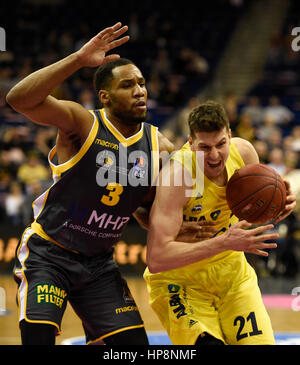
103, 76
209, 116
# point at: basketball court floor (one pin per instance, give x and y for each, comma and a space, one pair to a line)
282, 299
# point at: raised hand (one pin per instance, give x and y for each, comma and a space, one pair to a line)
93, 53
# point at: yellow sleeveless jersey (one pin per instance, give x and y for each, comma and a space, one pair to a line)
208, 203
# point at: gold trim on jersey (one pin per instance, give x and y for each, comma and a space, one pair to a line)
113, 333
57, 170
125, 141
154, 153
39, 204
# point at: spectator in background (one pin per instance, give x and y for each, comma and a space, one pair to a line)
245, 128
181, 124
162, 64
280, 113
86, 99
13, 203
231, 107
276, 157
266, 128
291, 160
172, 93
275, 139
44, 139
254, 109
32, 170
18, 135
154, 86
134, 28
287, 143
191, 63
262, 150
10, 159
5, 180
295, 136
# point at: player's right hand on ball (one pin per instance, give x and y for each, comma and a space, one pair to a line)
241, 237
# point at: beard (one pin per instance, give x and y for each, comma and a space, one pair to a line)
129, 117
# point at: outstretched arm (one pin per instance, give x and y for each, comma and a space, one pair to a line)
164, 252
31, 96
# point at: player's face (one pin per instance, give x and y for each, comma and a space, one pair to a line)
215, 148
128, 95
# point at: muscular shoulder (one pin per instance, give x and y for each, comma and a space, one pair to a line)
246, 150
165, 144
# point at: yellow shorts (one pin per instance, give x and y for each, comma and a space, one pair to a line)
222, 299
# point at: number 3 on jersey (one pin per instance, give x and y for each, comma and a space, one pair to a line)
112, 198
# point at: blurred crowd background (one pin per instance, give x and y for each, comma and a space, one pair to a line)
181, 48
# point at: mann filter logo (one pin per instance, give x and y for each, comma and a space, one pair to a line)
2, 39
50, 294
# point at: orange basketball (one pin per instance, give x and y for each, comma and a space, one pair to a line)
256, 193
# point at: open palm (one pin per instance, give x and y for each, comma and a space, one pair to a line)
93, 53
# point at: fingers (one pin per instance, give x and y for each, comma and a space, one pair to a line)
287, 186
203, 235
259, 250
109, 30
256, 238
115, 34
261, 229
111, 33
110, 58
258, 235
266, 237
118, 42
206, 229
260, 253
195, 231
283, 215
291, 198
206, 223
259, 244
196, 226
243, 224
289, 207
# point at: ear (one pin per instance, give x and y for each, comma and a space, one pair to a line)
190, 140
104, 97
229, 134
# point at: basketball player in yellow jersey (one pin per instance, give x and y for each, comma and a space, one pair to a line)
205, 292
